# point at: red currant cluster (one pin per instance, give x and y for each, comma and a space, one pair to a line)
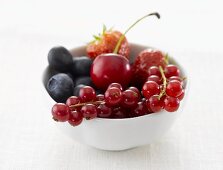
163, 90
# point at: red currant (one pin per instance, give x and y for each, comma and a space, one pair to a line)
89, 111
154, 70
119, 86
87, 94
60, 112
180, 97
150, 88
100, 97
72, 100
135, 90
113, 96
140, 110
119, 113
175, 78
155, 78
75, 118
171, 104
171, 70
174, 88
155, 104
104, 111
129, 98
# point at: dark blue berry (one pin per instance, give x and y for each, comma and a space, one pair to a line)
83, 80
77, 89
81, 66
60, 87
60, 59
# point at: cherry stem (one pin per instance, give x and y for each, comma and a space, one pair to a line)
82, 104
123, 35
164, 83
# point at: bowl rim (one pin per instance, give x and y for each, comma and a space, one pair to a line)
131, 118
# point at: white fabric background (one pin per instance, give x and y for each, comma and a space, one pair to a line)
189, 30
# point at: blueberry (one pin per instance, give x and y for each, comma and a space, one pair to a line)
60, 87
81, 66
60, 59
84, 80
77, 89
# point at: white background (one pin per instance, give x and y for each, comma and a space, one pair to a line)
192, 31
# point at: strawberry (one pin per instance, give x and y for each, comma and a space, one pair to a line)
106, 43
143, 62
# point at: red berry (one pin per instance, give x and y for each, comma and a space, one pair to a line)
119, 86
171, 70
60, 112
104, 111
155, 104
171, 104
113, 96
129, 98
150, 88
72, 100
106, 44
75, 118
119, 113
135, 90
140, 110
174, 88
143, 62
110, 68
175, 78
89, 111
180, 97
87, 94
100, 97
154, 70
155, 78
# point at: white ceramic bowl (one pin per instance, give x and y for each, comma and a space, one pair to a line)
118, 134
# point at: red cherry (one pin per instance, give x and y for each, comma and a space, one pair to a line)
75, 118
171, 104
60, 112
150, 88
110, 68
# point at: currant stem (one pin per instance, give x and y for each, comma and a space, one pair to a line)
123, 35
82, 104
164, 83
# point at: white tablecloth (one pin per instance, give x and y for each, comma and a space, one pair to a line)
189, 30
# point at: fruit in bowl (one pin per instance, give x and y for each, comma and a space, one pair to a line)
114, 101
